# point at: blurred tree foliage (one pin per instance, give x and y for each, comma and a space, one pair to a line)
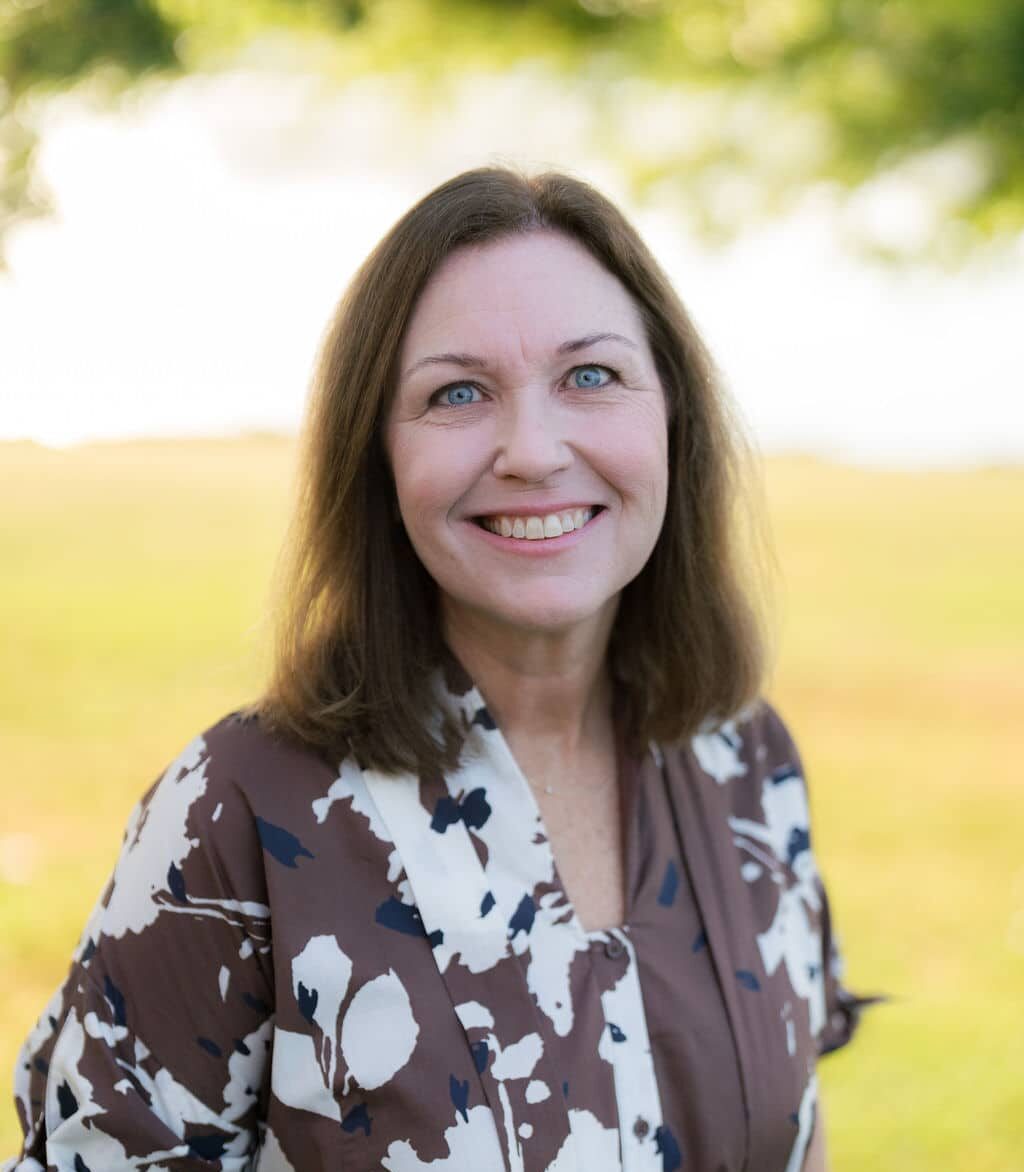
791, 91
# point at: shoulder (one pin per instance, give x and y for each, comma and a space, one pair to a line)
209, 815
746, 767
746, 748
238, 761
240, 749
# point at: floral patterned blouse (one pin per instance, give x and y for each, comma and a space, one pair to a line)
300, 967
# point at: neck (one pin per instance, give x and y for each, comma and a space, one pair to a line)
550, 692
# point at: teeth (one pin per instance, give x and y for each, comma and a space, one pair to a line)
537, 528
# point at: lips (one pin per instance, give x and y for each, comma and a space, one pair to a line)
537, 526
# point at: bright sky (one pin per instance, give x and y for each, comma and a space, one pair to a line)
204, 233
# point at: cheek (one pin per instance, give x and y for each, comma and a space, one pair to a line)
632, 455
430, 472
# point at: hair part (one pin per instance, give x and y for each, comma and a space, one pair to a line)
358, 630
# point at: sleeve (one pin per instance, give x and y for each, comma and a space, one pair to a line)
841, 1008
154, 1051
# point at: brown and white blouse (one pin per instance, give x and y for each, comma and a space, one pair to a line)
300, 966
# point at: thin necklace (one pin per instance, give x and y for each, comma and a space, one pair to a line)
550, 790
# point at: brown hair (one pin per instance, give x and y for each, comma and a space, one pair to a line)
358, 619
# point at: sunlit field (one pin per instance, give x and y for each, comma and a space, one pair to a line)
133, 579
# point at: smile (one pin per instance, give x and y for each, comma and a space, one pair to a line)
538, 527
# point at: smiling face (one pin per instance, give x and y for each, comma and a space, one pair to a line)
528, 436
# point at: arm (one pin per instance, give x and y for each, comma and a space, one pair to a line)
153, 1051
841, 1009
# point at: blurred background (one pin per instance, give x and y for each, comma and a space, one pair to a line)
836, 188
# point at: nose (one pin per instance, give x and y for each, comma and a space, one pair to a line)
530, 440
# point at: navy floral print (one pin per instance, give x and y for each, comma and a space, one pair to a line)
303, 965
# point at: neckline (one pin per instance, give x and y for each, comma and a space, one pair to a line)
628, 771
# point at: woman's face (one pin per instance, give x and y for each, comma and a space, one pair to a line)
528, 436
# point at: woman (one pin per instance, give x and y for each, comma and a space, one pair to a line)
509, 868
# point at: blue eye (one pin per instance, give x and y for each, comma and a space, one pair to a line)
588, 377
458, 394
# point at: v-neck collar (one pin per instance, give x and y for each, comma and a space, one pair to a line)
513, 837
484, 739
504, 932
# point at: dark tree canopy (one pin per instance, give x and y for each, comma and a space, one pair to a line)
866, 84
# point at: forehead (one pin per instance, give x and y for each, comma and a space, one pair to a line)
530, 291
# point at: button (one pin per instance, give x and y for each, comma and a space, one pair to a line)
614, 948
641, 1127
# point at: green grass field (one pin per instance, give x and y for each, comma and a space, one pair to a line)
132, 583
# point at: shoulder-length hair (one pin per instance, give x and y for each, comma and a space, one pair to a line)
358, 630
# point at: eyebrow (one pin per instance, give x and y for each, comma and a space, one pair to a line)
474, 362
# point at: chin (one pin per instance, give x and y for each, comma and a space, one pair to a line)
537, 613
